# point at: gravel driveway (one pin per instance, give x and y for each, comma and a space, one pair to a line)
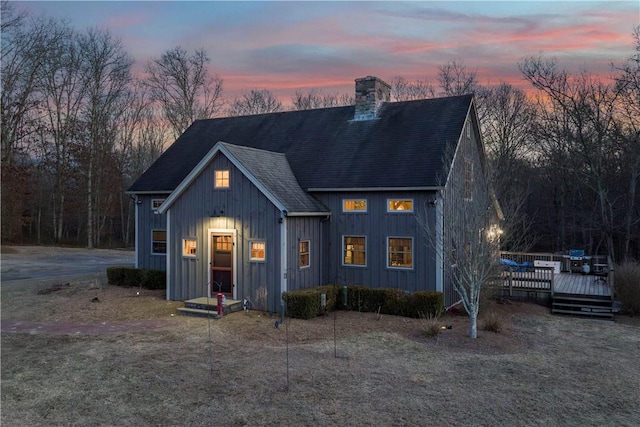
35, 263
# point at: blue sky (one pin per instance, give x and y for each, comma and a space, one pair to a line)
289, 46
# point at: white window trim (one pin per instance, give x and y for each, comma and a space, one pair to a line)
186, 255
153, 201
366, 258
391, 267
264, 242
366, 206
400, 211
302, 267
165, 242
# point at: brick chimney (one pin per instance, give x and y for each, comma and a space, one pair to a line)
371, 92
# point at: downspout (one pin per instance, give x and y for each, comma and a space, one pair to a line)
168, 255
321, 247
283, 252
136, 202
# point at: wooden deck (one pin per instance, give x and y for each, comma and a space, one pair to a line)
563, 283
579, 284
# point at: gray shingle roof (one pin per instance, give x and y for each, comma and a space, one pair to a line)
325, 148
273, 172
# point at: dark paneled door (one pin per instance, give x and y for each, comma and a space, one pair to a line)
222, 264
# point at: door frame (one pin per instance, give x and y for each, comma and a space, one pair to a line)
234, 257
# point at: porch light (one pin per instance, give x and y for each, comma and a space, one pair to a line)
494, 233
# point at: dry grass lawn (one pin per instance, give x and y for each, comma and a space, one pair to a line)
125, 360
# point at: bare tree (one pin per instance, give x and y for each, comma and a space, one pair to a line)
628, 133
256, 101
456, 79
587, 108
508, 118
468, 244
404, 90
316, 99
182, 86
107, 72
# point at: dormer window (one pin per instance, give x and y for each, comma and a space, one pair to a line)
221, 179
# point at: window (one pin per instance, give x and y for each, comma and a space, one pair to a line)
354, 250
468, 179
221, 179
257, 251
189, 247
159, 242
400, 205
303, 248
400, 250
354, 205
155, 203
468, 128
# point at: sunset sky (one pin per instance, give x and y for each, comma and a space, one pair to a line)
289, 46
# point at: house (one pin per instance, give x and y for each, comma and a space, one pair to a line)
253, 206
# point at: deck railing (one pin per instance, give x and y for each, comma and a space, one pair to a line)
530, 278
610, 277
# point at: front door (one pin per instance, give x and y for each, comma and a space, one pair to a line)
222, 264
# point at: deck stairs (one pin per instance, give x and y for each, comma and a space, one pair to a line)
583, 305
208, 307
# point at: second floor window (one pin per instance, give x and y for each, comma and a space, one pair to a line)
221, 179
354, 205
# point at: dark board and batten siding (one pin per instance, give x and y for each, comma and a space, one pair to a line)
243, 208
299, 229
467, 149
149, 220
377, 225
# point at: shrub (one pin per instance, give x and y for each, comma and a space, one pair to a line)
430, 324
492, 321
305, 303
627, 286
154, 279
134, 277
425, 302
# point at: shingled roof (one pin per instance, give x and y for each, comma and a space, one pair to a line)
326, 149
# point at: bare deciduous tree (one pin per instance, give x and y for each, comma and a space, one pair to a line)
456, 79
183, 87
468, 246
316, 99
256, 101
588, 109
107, 72
508, 118
404, 90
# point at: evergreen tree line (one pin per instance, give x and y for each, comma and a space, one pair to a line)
78, 127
